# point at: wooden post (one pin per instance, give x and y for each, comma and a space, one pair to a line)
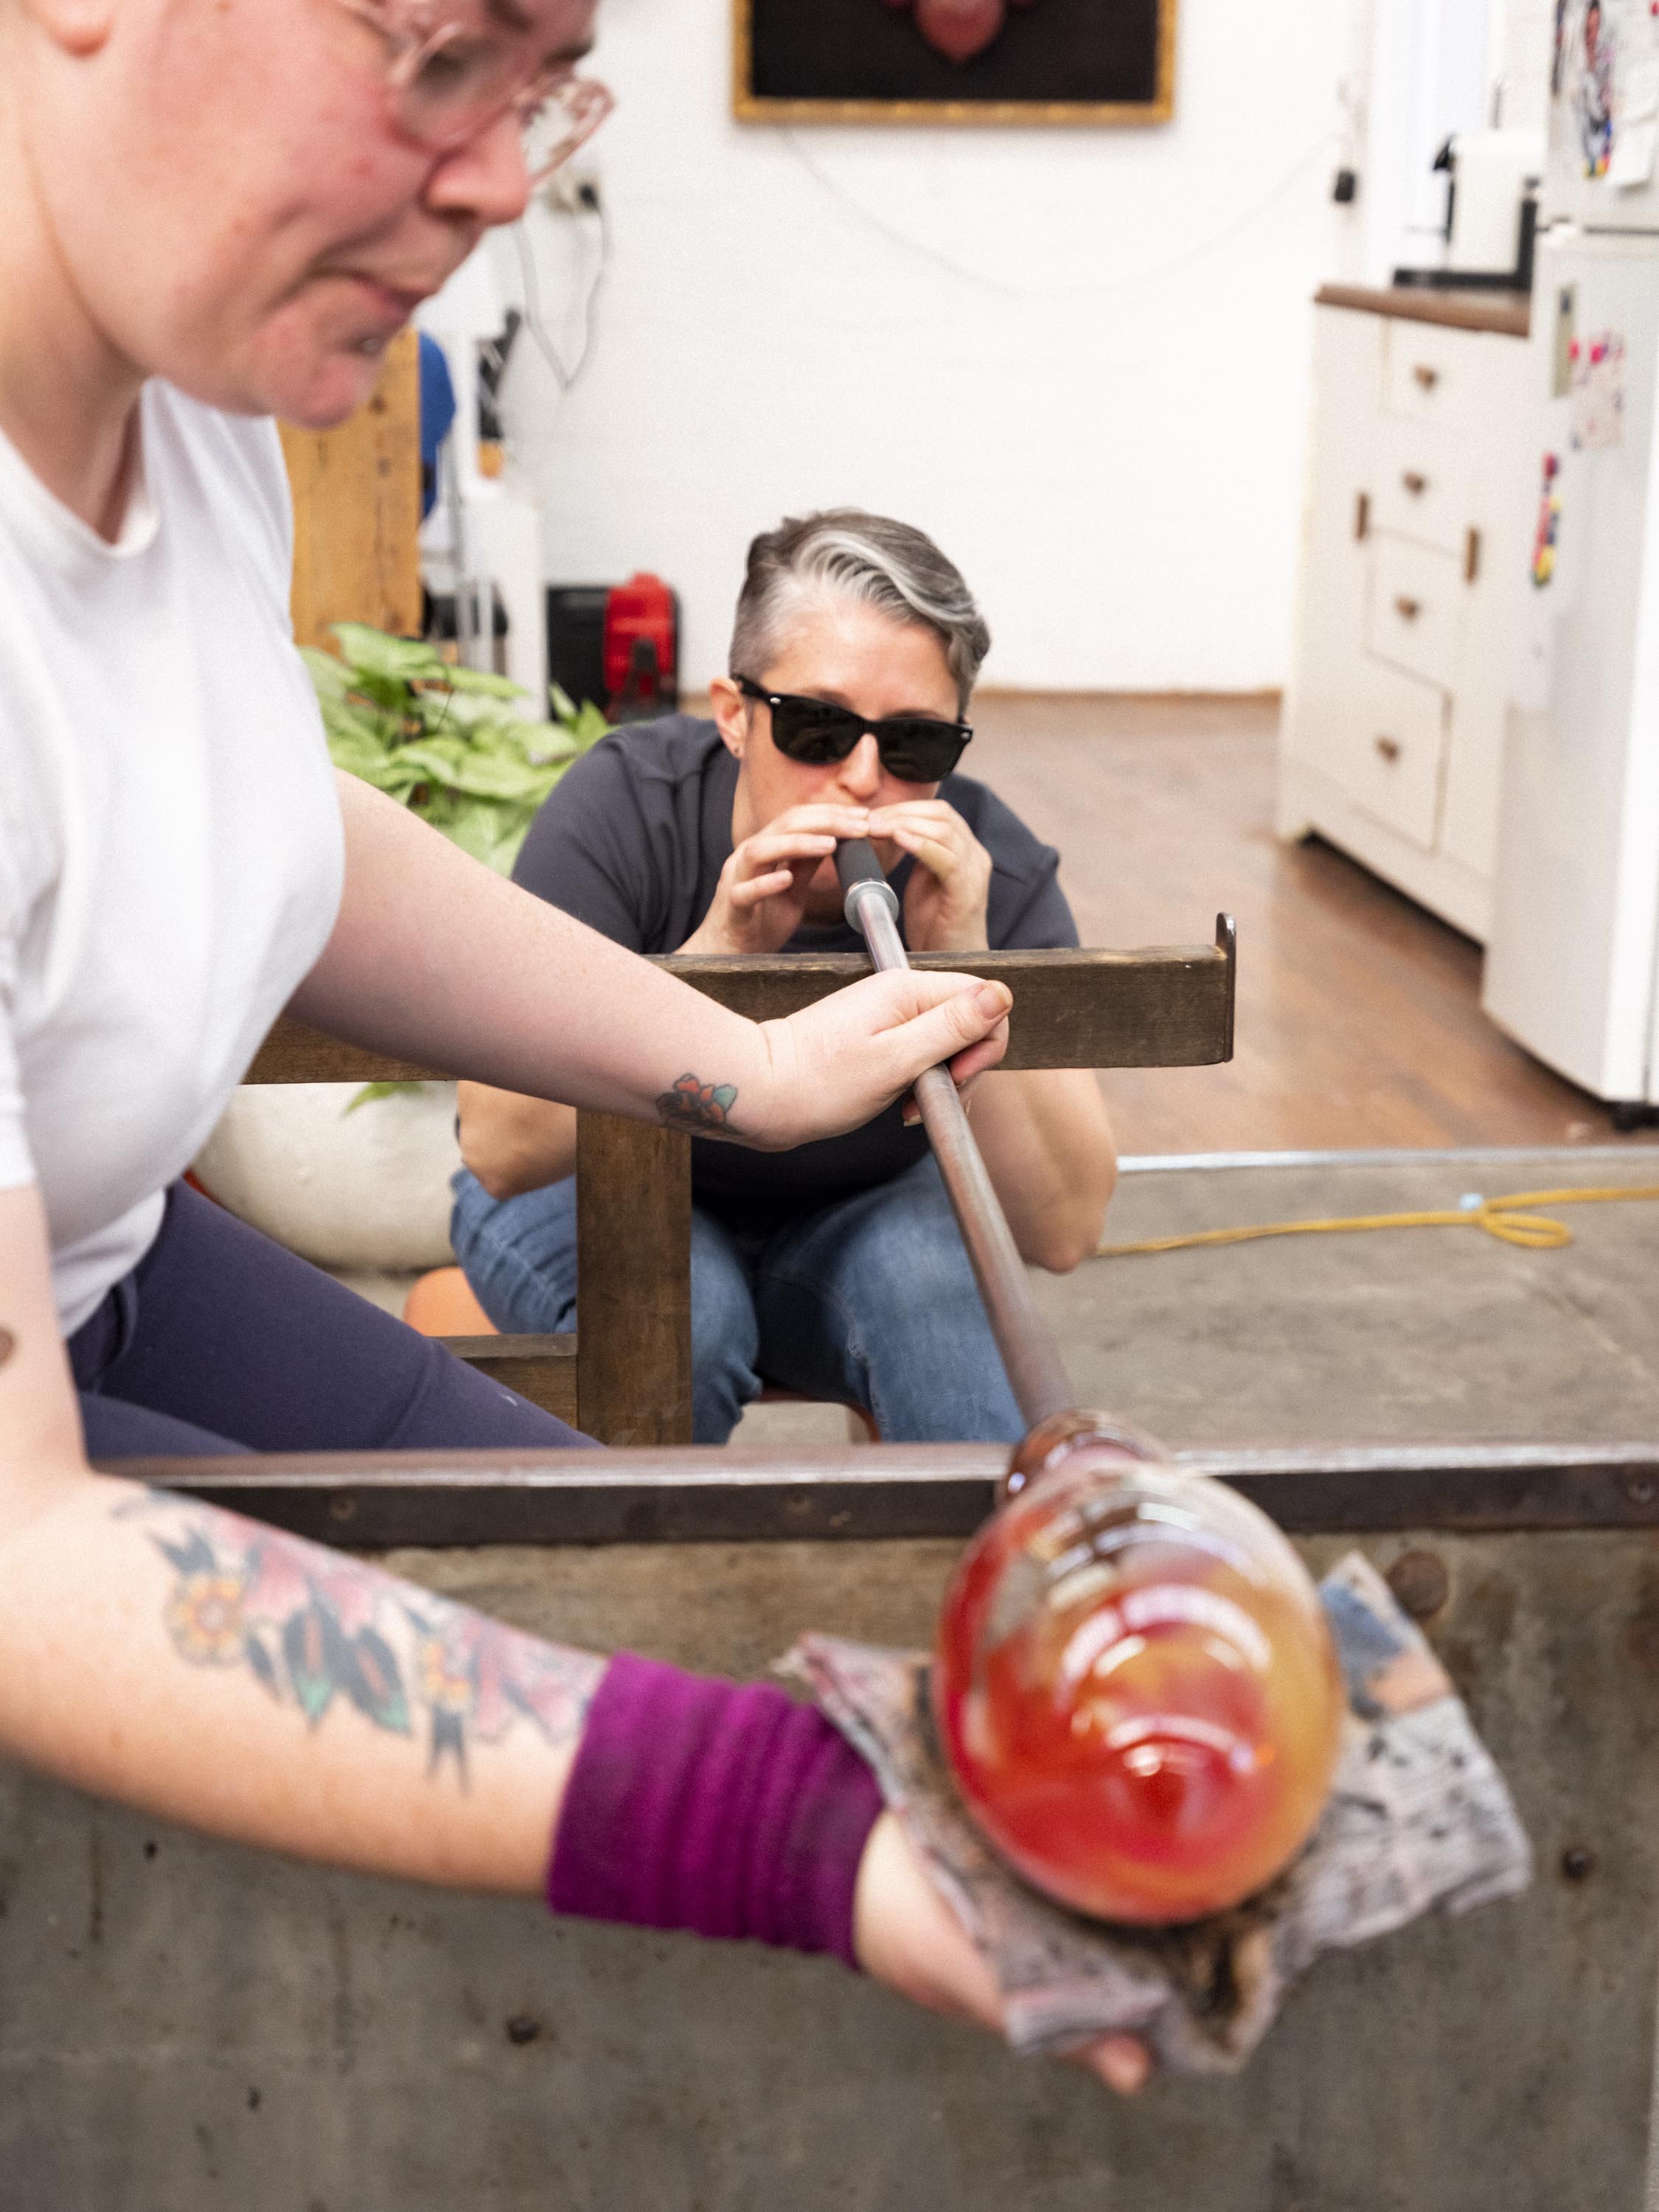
633, 1281
540, 1368
358, 509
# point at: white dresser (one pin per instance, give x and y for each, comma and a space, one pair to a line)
1414, 554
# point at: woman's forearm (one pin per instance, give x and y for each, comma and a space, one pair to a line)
1047, 1147
434, 957
215, 1672
219, 1673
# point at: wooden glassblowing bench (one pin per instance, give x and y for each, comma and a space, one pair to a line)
187, 2026
190, 2025
625, 1376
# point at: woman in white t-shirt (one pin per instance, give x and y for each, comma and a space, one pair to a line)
217, 210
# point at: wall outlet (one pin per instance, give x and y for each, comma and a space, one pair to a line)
572, 191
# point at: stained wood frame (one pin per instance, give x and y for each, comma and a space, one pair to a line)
357, 492
378, 1501
749, 106
625, 1377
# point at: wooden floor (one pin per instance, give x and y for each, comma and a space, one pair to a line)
1359, 1021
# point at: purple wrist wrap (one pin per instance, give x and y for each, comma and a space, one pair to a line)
696, 1804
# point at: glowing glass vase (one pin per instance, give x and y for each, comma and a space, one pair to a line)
1134, 1682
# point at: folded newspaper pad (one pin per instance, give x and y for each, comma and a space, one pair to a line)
1419, 1817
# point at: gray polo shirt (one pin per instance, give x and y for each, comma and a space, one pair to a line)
632, 842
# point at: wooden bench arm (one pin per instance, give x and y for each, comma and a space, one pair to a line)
734, 1494
626, 1376
1165, 1006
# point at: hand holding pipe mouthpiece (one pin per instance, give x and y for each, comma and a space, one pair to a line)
1132, 1677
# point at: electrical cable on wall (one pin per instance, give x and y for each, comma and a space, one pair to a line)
1124, 282
566, 374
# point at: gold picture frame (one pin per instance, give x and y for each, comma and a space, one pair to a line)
749, 106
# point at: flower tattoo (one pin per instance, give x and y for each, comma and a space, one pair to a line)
702, 1108
318, 1630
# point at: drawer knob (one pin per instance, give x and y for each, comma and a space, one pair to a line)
1427, 376
1388, 748
1414, 484
1407, 609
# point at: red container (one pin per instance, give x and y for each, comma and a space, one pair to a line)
641, 642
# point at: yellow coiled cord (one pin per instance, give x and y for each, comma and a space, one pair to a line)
1512, 1220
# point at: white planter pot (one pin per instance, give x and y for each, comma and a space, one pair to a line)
365, 1189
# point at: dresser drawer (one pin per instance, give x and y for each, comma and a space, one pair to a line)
1392, 750
1416, 617
1434, 375
1420, 485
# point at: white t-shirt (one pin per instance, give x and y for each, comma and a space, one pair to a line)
170, 843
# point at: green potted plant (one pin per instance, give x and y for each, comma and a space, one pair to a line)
450, 744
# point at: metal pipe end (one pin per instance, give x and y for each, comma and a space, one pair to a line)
857, 893
1054, 1440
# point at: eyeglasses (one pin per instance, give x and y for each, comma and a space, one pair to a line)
915, 748
447, 84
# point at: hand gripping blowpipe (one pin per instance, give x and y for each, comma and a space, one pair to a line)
1132, 1678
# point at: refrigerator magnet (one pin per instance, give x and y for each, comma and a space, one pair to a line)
1548, 525
1598, 392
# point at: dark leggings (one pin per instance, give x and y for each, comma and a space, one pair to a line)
220, 1341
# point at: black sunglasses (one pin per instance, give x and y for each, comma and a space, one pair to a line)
915, 748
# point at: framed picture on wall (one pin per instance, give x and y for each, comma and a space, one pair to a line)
954, 61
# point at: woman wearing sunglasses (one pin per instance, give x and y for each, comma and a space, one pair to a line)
216, 210
835, 1269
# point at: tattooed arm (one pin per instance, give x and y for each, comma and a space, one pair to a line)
515, 1144
209, 1670
215, 1672
437, 959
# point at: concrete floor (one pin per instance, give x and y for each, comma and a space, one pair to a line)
1390, 1334
1400, 1333
1386, 1334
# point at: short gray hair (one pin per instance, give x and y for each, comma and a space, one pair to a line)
868, 557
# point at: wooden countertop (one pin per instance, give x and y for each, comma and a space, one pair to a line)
1509, 314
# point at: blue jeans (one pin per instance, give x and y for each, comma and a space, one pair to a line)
869, 1298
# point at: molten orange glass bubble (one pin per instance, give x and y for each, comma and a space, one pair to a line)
1134, 1682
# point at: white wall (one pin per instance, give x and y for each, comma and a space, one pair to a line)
1526, 48
1077, 357
1430, 76
1432, 68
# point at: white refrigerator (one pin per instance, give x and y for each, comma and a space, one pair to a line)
1572, 963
